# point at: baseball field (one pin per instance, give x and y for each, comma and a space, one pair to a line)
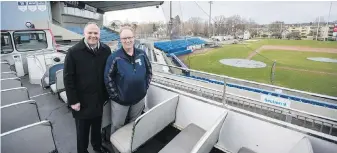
292, 69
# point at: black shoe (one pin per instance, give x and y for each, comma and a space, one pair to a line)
102, 150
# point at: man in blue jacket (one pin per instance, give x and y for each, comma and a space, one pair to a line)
127, 77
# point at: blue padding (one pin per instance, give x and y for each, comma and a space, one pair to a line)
52, 72
177, 45
294, 98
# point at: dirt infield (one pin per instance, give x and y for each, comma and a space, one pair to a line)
292, 48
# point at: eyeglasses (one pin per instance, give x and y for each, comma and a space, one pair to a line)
127, 38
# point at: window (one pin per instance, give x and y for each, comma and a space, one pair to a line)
6, 43
30, 40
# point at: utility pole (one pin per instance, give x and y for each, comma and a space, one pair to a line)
210, 18
170, 22
319, 20
327, 23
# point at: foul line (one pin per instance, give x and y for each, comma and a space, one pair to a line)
40, 94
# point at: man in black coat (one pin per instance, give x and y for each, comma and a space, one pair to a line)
84, 83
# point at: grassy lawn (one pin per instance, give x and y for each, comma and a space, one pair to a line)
306, 43
312, 82
307, 81
299, 60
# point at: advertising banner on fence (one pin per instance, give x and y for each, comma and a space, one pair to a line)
275, 101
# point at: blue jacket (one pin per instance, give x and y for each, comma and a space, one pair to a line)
127, 80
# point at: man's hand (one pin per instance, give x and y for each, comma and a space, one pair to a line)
76, 107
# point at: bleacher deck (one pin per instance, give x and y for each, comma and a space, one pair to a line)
179, 46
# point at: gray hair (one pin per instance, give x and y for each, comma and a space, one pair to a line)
126, 27
89, 23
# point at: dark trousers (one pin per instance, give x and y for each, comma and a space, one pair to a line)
82, 130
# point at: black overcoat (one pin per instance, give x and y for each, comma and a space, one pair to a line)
84, 79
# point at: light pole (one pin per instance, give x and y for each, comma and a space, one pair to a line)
327, 23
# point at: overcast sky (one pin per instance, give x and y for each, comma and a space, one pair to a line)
261, 12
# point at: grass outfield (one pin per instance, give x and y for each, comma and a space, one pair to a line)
299, 60
306, 43
307, 81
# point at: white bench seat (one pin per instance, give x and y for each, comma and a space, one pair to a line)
185, 140
53, 88
123, 138
131, 136
245, 150
63, 96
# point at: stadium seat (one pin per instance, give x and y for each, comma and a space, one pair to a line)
194, 139
25, 139
49, 77
9, 96
10, 83
131, 136
59, 84
10, 74
19, 114
5, 67
179, 45
63, 96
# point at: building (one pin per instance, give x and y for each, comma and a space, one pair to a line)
304, 31
246, 35
326, 32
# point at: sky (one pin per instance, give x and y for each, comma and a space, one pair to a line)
262, 12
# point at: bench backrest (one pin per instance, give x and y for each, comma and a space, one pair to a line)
52, 72
158, 117
5, 75
210, 138
303, 146
152, 97
59, 81
240, 130
9, 96
9, 83
5, 67
33, 138
19, 114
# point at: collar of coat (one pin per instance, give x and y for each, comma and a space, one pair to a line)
86, 43
122, 53
83, 46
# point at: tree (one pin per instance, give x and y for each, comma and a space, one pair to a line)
154, 27
219, 24
277, 35
195, 23
176, 28
276, 26
113, 25
294, 35
253, 33
205, 28
134, 26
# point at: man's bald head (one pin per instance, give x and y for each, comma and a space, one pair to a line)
91, 33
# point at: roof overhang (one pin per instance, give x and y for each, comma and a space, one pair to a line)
106, 6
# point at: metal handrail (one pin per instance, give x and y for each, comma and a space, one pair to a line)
251, 82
